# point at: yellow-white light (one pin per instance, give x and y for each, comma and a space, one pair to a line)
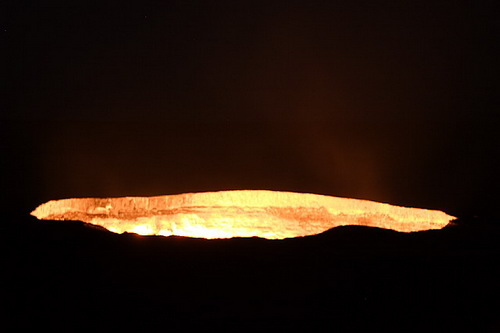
245, 213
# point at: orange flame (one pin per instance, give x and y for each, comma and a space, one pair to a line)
245, 213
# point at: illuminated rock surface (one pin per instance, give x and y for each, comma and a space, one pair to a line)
245, 213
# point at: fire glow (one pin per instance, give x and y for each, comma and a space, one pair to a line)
242, 213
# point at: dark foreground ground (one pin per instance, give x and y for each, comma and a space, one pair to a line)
66, 275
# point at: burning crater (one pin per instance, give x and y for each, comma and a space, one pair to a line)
245, 213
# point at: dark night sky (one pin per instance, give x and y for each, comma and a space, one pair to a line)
391, 101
